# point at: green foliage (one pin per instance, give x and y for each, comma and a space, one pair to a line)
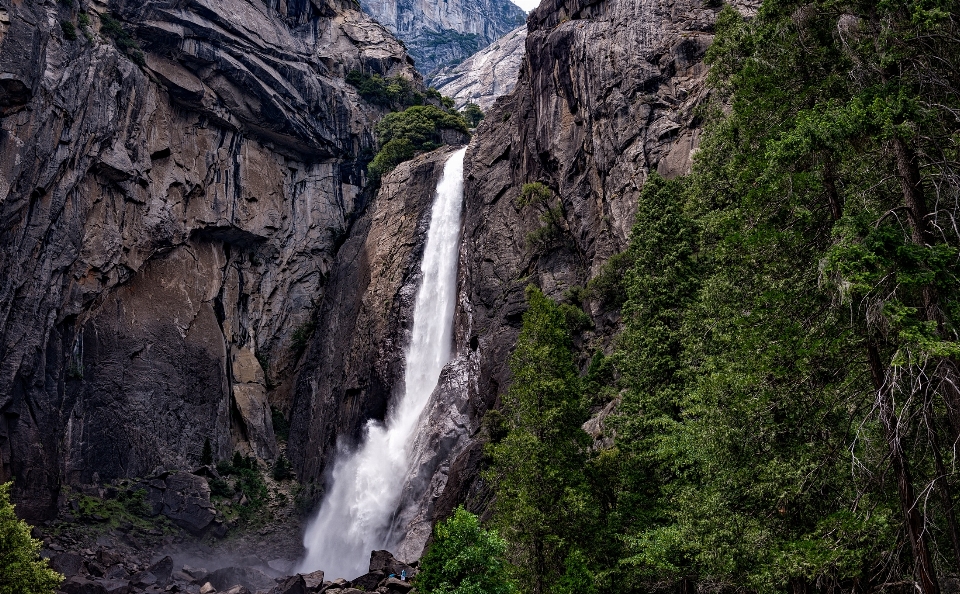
464, 559
22, 571
542, 499
395, 91
281, 426
281, 469
113, 29
533, 193
69, 31
786, 412
220, 488
406, 133
472, 114
302, 335
206, 457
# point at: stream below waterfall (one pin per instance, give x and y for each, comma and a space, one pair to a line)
356, 514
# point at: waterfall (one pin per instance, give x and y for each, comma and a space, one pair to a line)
360, 503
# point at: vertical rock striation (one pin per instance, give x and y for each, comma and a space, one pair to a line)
486, 75
356, 361
166, 229
608, 92
441, 33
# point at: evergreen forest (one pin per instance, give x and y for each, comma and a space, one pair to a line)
781, 408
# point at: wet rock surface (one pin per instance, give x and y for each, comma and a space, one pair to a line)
355, 363
607, 93
165, 228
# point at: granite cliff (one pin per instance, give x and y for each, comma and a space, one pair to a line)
487, 74
175, 179
608, 92
441, 34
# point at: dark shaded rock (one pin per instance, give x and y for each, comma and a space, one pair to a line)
163, 569
227, 577
68, 564
115, 586
396, 585
143, 579
356, 359
186, 501
386, 563
81, 585
291, 585
368, 582
165, 225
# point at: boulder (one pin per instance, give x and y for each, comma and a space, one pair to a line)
313, 581
81, 585
228, 577
163, 569
207, 588
116, 586
69, 564
385, 561
368, 582
143, 579
291, 585
238, 590
186, 501
396, 585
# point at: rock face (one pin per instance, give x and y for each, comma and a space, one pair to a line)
365, 318
441, 33
607, 93
165, 229
487, 74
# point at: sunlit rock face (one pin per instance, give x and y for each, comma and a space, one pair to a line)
166, 229
442, 33
486, 75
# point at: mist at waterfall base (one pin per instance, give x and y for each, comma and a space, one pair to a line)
362, 498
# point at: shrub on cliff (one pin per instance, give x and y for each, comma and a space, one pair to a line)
414, 130
464, 559
22, 571
394, 91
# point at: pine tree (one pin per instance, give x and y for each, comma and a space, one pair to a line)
22, 571
206, 458
542, 506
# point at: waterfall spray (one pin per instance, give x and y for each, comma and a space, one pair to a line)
356, 513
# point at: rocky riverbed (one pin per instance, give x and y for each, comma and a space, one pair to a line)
197, 532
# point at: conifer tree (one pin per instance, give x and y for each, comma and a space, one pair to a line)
22, 571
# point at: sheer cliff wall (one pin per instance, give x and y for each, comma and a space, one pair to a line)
166, 229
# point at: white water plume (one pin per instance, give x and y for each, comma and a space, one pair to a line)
356, 513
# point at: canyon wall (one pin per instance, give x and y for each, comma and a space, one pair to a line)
443, 33
608, 93
167, 228
486, 75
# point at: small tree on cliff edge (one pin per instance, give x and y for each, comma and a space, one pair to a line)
22, 571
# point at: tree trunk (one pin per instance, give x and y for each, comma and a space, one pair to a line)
913, 518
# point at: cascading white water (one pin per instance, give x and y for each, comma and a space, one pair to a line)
356, 513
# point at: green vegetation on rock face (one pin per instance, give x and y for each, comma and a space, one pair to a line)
416, 129
416, 124
784, 383
22, 571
